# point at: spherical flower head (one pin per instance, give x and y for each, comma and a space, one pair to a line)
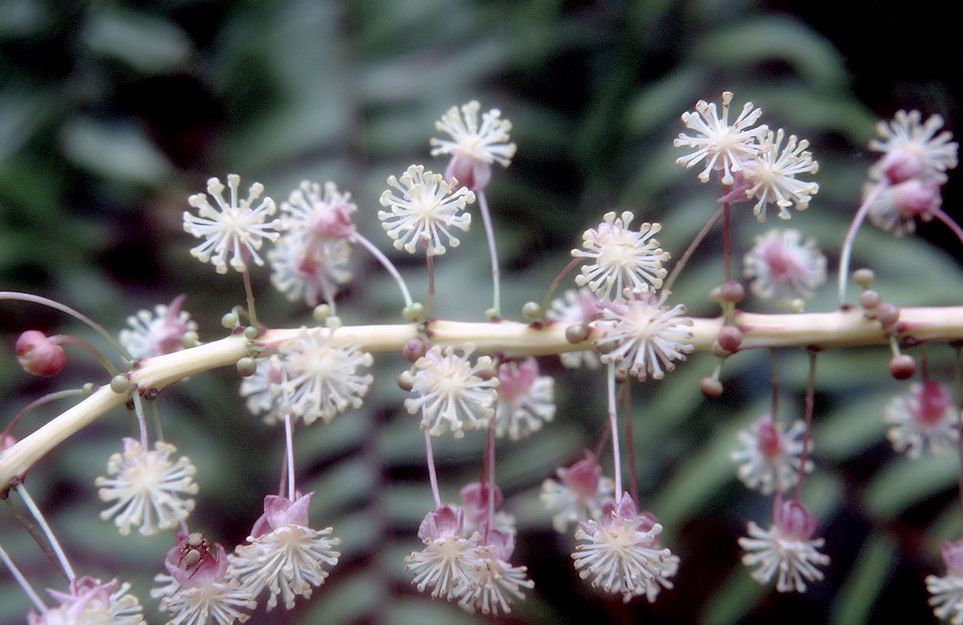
322, 375
39, 355
897, 207
623, 259
309, 268
771, 175
526, 400
912, 149
946, 593
157, 333
723, 146
473, 147
495, 582
788, 547
448, 562
578, 493
425, 211
89, 602
621, 553
148, 491
316, 211
450, 391
283, 554
769, 458
234, 227
576, 307
784, 268
925, 417
643, 337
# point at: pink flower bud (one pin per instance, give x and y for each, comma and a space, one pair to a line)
474, 498
333, 223
901, 164
917, 197
934, 398
39, 355
516, 379
792, 519
444, 522
583, 476
469, 172
281, 511
503, 544
768, 438
953, 557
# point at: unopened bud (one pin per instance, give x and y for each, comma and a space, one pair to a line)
229, 320
730, 338
414, 349
120, 384
246, 366
888, 315
251, 333
413, 311
864, 277
719, 351
533, 311
711, 387
321, 312
902, 367
732, 292
39, 355
190, 339
576, 333
869, 299
406, 381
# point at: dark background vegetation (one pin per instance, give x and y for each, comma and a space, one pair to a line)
112, 113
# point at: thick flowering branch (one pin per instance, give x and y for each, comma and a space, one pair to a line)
848, 328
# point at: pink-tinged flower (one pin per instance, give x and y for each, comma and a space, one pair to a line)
946, 593
309, 268
495, 582
621, 553
313, 211
622, 258
769, 458
148, 491
150, 335
283, 554
473, 148
925, 417
573, 307
897, 207
425, 211
643, 337
783, 268
526, 400
448, 561
912, 149
196, 590
261, 399
89, 602
234, 227
39, 355
322, 375
788, 547
723, 146
474, 501
771, 175
578, 494
451, 392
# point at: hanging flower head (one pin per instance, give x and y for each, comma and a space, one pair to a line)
578, 493
642, 336
723, 146
147, 490
925, 417
912, 149
788, 547
448, 561
769, 458
319, 212
771, 175
424, 212
897, 207
283, 554
89, 601
621, 552
783, 268
623, 259
946, 593
158, 333
234, 228
451, 392
473, 148
526, 400
309, 268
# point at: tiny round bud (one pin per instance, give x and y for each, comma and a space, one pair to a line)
246, 366
414, 349
321, 312
88, 388
864, 277
120, 384
902, 367
39, 355
798, 305
719, 351
606, 348
533, 311
730, 338
711, 388
887, 314
732, 292
869, 299
190, 339
250, 333
487, 373
229, 320
715, 295
576, 333
406, 381
413, 311
491, 313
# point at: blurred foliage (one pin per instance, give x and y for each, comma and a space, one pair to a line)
111, 113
